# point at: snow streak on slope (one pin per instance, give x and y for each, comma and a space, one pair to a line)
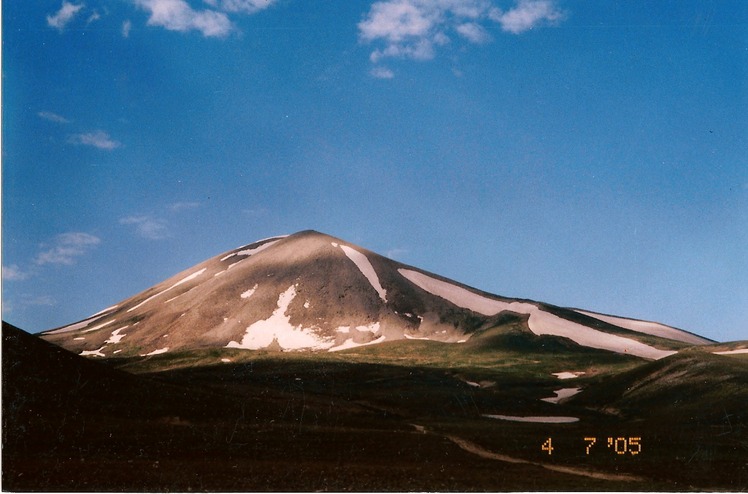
183, 280
249, 252
647, 327
278, 328
363, 265
540, 322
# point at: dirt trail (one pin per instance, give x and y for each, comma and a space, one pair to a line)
490, 455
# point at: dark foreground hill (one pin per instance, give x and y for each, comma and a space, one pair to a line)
403, 415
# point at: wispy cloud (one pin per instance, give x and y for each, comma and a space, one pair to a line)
53, 117
527, 15
95, 16
255, 212
473, 32
98, 139
63, 16
415, 29
382, 72
178, 207
177, 15
14, 273
245, 6
396, 253
147, 226
66, 248
126, 28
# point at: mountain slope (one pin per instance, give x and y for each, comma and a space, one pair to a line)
313, 292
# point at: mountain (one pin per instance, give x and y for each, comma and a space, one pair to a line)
307, 363
313, 292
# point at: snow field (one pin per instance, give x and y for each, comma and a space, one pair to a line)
540, 322
278, 327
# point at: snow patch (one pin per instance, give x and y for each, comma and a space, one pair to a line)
732, 352
647, 327
540, 420
278, 327
363, 265
116, 337
79, 338
156, 352
249, 292
408, 337
78, 325
226, 360
93, 353
102, 312
183, 280
254, 250
98, 327
567, 374
562, 394
349, 343
540, 322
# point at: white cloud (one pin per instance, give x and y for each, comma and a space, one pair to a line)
245, 6
93, 17
66, 248
126, 27
527, 15
14, 273
382, 73
473, 32
414, 29
177, 15
147, 226
53, 117
98, 139
63, 16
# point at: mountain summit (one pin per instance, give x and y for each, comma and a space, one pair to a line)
312, 292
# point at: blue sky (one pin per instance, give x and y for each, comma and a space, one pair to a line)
586, 154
